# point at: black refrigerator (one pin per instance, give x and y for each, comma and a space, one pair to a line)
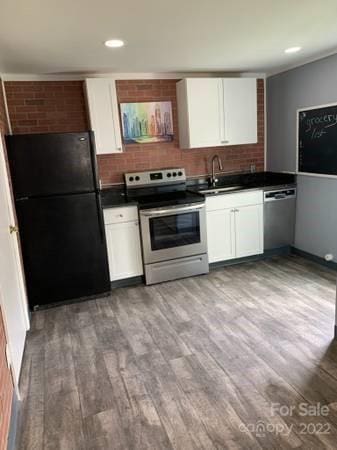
60, 218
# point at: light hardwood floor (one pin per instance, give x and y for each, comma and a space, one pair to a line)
191, 364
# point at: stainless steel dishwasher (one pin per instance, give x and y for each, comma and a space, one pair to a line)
279, 216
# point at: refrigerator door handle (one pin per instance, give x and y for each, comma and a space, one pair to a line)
100, 216
93, 160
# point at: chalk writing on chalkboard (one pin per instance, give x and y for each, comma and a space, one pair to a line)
317, 140
317, 125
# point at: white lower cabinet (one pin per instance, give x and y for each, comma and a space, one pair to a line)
234, 225
248, 230
220, 235
123, 242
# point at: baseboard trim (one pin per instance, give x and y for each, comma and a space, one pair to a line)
127, 282
281, 251
232, 262
13, 426
267, 254
71, 301
317, 259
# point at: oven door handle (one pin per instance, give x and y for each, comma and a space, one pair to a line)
156, 212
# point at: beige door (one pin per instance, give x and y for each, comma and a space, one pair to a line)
13, 299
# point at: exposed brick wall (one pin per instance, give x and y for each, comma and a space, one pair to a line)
6, 384
46, 106
6, 390
62, 106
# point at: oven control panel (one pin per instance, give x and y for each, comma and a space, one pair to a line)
155, 177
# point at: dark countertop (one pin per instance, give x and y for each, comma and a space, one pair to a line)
257, 180
116, 196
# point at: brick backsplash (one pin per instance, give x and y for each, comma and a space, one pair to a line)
48, 106
6, 384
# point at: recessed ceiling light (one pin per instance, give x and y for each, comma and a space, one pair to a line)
292, 49
114, 43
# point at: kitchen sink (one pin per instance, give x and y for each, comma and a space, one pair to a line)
218, 190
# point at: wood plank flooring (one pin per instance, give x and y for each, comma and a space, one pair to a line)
200, 363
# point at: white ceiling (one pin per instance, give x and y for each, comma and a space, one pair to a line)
61, 36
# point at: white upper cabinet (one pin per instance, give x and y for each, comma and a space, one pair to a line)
103, 113
200, 112
240, 110
217, 111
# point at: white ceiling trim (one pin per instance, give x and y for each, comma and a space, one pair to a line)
127, 76
2, 87
302, 63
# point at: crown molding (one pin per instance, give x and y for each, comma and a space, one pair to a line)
302, 63
126, 76
2, 87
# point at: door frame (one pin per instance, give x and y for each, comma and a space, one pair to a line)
17, 254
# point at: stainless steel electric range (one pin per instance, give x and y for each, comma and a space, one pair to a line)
173, 224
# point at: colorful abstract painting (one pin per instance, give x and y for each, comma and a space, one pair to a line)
147, 122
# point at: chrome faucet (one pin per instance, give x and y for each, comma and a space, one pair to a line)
213, 179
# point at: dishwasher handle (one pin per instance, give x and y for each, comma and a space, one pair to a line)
284, 194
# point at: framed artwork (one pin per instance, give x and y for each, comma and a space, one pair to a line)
147, 122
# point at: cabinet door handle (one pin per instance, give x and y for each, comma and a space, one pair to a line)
224, 142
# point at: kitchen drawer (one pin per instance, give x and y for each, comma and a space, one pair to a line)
119, 215
223, 201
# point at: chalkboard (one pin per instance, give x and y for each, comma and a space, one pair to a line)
317, 140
